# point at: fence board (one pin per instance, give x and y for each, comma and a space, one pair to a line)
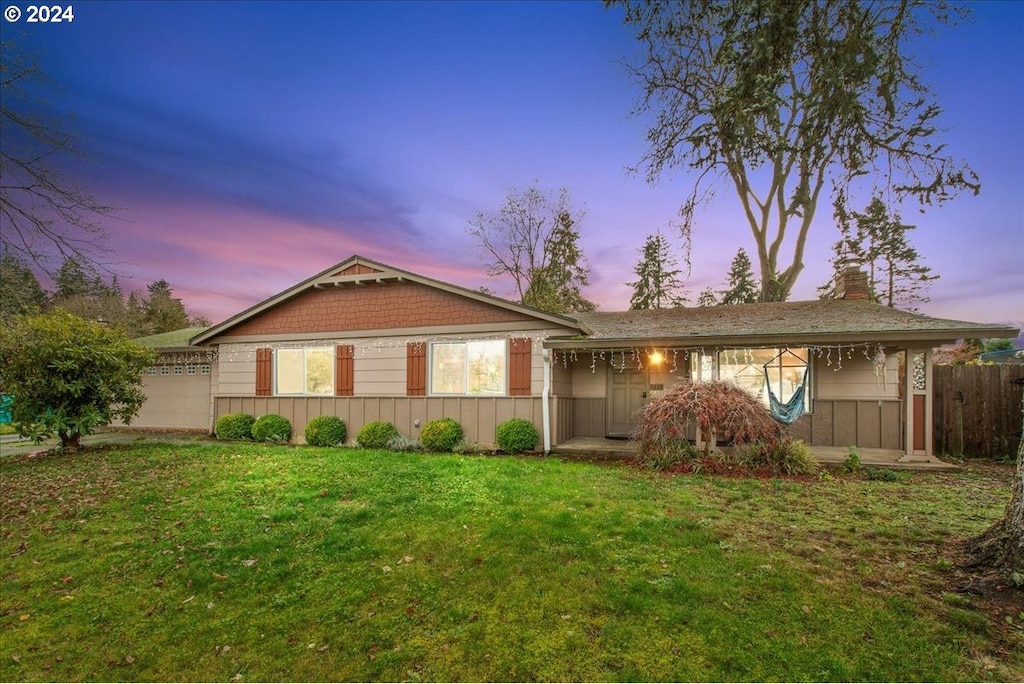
977, 410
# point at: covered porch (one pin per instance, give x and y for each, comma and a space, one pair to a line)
601, 447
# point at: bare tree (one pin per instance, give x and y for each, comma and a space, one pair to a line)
533, 239
42, 213
783, 96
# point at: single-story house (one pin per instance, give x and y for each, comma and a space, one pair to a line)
366, 341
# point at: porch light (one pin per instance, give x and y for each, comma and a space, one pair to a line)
655, 357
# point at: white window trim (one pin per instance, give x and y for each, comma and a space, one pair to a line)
305, 351
465, 369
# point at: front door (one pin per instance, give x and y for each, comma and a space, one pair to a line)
627, 392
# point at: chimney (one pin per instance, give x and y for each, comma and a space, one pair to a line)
851, 282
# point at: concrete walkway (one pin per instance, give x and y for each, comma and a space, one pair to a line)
831, 456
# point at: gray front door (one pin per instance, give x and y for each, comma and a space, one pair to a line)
627, 392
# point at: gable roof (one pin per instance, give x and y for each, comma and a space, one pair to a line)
812, 322
358, 270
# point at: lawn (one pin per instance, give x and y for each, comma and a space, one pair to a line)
243, 562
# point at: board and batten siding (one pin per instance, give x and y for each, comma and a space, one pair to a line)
856, 378
478, 416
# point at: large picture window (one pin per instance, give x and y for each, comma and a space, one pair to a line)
469, 368
746, 368
304, 371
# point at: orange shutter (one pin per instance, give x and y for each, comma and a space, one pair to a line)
343, 364
519, 372
416, 369
264, 371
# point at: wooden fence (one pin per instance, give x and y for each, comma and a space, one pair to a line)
977, 410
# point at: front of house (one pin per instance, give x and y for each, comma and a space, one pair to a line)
365, 341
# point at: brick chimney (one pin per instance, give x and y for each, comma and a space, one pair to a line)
852, 282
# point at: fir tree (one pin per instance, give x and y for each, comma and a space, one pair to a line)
707, 298
880, 241
742, 288
657, 285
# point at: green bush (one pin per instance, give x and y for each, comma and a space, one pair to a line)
441, 435
792, 457
666, 453
326, 431
402, 443
376, 435
516, 435
234, 426
881, 474
851, 464
272, 428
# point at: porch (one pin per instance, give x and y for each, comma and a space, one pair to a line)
827, 455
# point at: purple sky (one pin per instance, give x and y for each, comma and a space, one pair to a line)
255, 144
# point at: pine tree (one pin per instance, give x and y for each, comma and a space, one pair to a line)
742, 288
707, 298
557, 286
880, 241
657, 285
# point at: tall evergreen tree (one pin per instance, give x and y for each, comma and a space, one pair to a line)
20, 291
742, 287
557, 285
657, 285
880, 241
162, 311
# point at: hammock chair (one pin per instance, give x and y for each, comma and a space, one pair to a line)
786, 413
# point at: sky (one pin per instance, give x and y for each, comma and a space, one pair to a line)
254, 144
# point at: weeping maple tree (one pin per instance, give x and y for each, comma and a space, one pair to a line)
789, 99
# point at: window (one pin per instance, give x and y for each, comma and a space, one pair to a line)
178, 370
165, 370
475, 368
204, 369
151, 370
746, 368
190, 369
304, 371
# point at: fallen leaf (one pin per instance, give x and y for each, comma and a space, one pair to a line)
386, 568
806, 609
129, 659
67, 579
249, 562
209, 606
237, 677
188, 599
219, 578
322, 648
24, 617
225, 649
16, 659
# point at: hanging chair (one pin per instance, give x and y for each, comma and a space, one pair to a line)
786, 413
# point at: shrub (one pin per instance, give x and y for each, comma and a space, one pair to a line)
402, 443
516, 435
791, 456
851, 464
717, 408
441, 435
882, 474
667, 453
234, 426
326, 431
272, 428
376, 435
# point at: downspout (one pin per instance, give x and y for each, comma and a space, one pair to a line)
546, 395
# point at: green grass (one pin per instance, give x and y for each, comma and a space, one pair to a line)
221, 562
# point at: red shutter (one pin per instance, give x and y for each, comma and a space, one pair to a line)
264, 371
416, 369
343, 364
519, 372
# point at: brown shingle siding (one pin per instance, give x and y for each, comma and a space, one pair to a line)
374, 307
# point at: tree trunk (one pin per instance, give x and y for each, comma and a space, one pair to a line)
70, 440
1001, 546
